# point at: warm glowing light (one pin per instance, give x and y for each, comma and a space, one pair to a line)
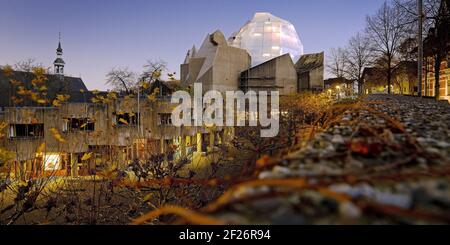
52, 162
338, 87
278, 39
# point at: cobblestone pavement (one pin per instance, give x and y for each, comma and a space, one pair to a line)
381, 161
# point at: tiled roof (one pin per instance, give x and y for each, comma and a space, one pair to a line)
55, 84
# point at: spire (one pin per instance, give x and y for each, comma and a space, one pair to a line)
59, 49
59, 62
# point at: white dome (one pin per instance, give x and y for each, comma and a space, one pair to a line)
266, 37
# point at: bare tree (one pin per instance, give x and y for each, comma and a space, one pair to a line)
337, 62
358, 56
386, 30
153, 70
121, 79
436, 16
409, 9
407, 50
28, 65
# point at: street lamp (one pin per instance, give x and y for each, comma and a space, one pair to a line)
138, 118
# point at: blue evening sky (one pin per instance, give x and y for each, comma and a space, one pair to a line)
99, 34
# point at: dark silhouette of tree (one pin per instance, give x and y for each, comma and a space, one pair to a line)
386, 30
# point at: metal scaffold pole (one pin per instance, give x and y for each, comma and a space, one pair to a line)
138, 118
420, 47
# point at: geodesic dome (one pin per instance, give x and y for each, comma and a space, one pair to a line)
266, 37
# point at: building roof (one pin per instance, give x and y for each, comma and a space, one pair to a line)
337, 80
438, 38
59, 61
190, 54
173, 84
284, 56
309, 62
405, 67
409, 67
56, 84
166, 88
372, 71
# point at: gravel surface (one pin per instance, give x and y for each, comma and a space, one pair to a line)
381, 161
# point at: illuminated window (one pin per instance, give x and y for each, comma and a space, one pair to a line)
448, 86
52, 162
263, 33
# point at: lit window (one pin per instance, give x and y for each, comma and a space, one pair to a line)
276, 48
448, 87
52, 162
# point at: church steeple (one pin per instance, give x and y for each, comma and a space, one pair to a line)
59, 62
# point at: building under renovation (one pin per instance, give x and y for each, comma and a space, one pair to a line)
55, 126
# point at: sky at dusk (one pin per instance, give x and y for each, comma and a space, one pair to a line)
98, 35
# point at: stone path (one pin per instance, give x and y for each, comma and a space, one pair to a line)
381, 161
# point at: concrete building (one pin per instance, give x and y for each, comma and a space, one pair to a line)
277, 74
216, 64
49, 136
310, 72
114, 129
258, 57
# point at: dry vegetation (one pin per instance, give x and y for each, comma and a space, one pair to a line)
114, 196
